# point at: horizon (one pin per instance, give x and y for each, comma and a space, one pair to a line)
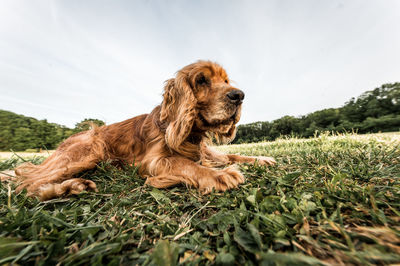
67, 61
239, 123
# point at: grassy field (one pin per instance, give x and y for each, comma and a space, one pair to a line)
329, 201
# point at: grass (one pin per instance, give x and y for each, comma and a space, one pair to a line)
330, 200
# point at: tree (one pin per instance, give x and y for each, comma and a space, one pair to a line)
287, 125
373, 111
18, 132
87, 124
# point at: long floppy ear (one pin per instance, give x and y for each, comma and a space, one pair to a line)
178, 109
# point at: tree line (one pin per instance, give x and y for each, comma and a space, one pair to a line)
373, 111
21, 133
377, 110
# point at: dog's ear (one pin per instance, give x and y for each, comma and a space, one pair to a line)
178, 109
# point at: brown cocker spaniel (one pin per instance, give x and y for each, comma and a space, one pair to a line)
170, 143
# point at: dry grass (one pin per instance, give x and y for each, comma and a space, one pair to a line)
7, 155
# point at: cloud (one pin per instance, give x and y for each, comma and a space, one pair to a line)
70, 60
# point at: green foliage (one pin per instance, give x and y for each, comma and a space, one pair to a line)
165, 253
20, 133
331, 200
374, 111
87, 124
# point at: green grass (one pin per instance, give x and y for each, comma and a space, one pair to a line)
330, 200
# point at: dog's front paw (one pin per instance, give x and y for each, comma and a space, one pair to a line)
222, 180
264, 160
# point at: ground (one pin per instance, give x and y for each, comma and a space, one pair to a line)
330, 200
8, 154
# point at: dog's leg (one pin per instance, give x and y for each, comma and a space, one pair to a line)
261, 160
210, 154
76, 154
182, 170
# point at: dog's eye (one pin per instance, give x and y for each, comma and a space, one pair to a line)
226, 81
201, 80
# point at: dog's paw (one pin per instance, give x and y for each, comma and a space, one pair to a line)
72, 186
222, 180
77, 185
264, 160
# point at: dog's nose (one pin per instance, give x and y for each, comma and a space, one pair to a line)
236, 96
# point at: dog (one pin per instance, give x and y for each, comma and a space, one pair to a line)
171, 144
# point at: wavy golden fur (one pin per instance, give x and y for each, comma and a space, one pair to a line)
170, 143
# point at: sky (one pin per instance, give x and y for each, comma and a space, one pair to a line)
65, 61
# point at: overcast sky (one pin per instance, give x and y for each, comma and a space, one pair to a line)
68, 60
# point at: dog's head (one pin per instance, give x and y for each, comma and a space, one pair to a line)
200, 99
